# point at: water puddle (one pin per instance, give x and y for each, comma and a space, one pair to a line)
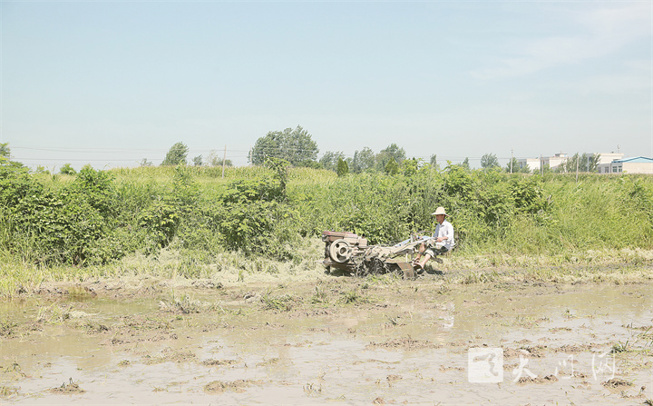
471, 345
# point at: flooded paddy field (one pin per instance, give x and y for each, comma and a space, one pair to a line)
336, 340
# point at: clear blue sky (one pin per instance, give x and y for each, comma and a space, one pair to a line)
111, 83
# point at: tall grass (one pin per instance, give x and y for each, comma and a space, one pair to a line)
207, 218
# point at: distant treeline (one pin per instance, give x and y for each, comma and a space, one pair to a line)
99, 216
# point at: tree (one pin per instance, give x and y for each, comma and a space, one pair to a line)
215, 160
434, 161
342, 167
392, 167
513, 165
5, 151
465, 163
197, 161
176, 155
145, 162
67, 169
586, 163
295, 146
330, 160
489, 161
363, 160
391, 153
593, 162
410, 167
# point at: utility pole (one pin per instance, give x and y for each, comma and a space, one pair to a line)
224, 160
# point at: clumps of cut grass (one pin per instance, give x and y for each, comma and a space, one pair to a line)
8, 391
239, 386
404, 343
312, 389
68, 388
283, 303
218, 362
12, 372
185, 304
53, 314
616, 383
169, 355
7, 328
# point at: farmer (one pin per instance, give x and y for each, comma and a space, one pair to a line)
442, 240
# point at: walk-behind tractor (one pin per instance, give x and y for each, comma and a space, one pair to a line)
348, 252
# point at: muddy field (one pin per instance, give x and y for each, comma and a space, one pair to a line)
336, 340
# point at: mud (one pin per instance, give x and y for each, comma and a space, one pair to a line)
380, 340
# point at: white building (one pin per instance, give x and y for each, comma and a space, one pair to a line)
638, 164
533, 164
604, 165
555, 160
606, 158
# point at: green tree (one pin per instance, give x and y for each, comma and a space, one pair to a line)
391, 153
343, 168
409, 167
197, 161
489, 161
330, 160
434, 161
295, 146
67, 169
514, 166
215, 160
5, 151
280, 169
465, 163
586, 163
176, 155
363, 160
145, 162
392, 167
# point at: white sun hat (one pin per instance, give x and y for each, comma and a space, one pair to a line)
439, 210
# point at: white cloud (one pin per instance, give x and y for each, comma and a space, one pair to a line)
604, 31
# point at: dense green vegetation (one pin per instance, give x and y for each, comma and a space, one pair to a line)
96, 217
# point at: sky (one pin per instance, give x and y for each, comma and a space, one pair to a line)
110, 83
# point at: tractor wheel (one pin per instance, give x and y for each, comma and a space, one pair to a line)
376, 267
362, 270
340, 251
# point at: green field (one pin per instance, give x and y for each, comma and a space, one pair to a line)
190, 222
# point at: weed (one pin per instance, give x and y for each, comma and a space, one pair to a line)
351, 297
619, 347
320, 296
